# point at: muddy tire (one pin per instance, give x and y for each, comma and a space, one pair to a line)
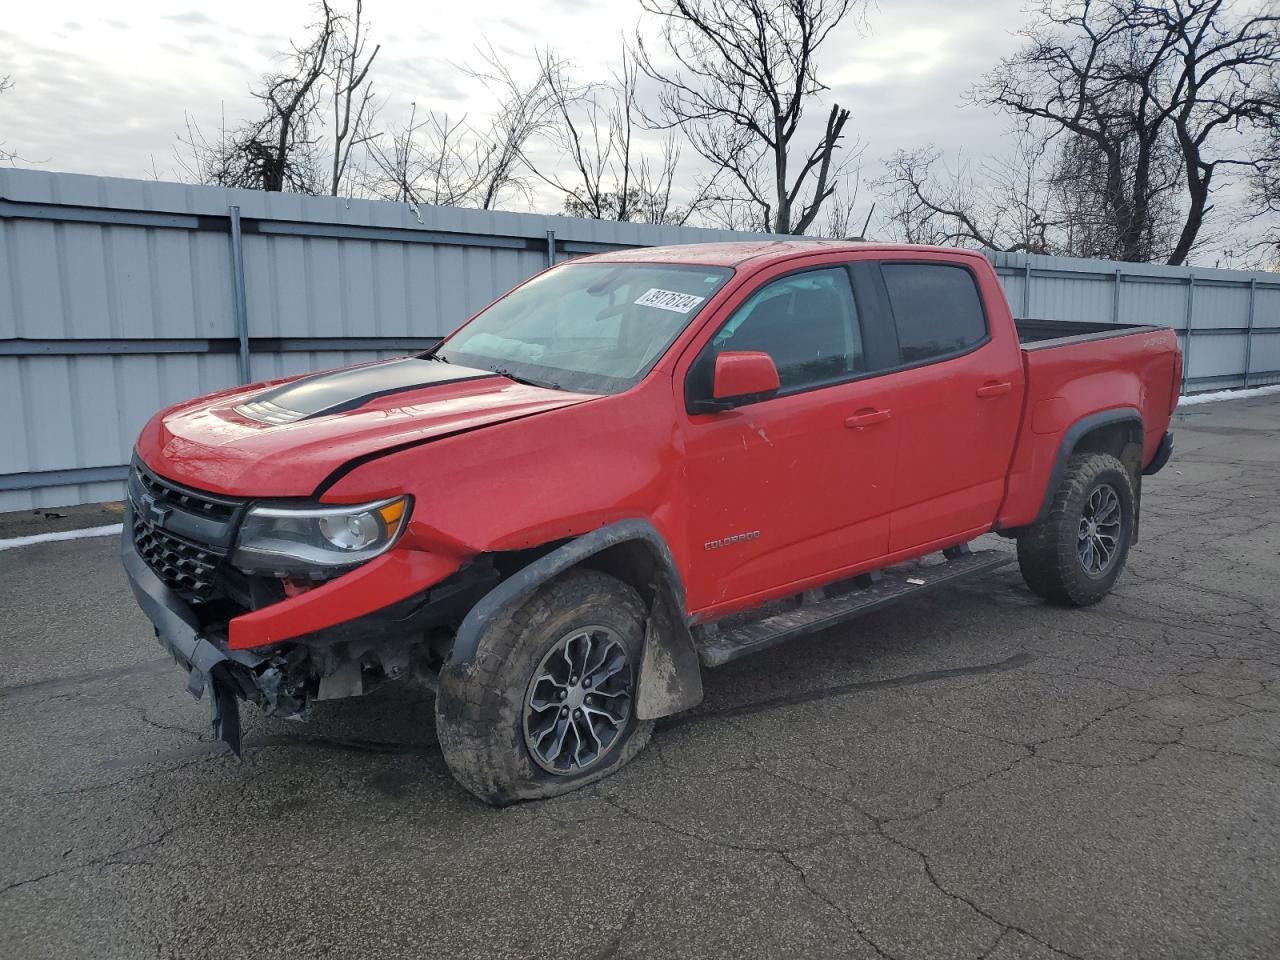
1075, 554
546, 705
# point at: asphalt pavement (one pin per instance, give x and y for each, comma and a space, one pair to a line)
972, 774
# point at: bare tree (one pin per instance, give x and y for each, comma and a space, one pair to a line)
594, 126
747, 71
353, 101
1264, 189
1079, 182
651, 198
1135, 82
583, 127
432, 160
6, 83
279, 151
842, 216
1010, 203
400, 161
928, 205
524, 109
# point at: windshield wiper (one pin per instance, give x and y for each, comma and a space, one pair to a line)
527, 381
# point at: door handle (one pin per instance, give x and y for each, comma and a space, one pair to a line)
994, 388
866, 417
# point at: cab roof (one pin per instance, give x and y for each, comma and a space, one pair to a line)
759, 252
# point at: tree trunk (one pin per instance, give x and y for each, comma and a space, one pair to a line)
782, 215
1199, 194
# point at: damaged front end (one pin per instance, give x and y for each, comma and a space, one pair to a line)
175, 551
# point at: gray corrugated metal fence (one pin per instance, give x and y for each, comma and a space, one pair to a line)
1228, 321
118, 297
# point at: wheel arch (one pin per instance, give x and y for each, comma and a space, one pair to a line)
1118, 431
633, 551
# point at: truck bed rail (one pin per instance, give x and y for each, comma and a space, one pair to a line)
1038, 334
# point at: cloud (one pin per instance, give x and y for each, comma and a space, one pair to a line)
190, 18
429, 81
107, 108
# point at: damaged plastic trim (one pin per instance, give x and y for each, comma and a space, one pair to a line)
229, 674
343, 660
670, 673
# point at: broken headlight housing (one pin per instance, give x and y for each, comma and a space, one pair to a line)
314, 541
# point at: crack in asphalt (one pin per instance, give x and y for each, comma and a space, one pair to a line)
848, 918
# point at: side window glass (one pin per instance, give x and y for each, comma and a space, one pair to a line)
936, 308
807, 323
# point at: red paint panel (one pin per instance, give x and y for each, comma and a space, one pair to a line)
379, 583
1065, 384
208, 446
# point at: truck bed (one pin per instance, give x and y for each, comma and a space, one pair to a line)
1036, 334
1074, 371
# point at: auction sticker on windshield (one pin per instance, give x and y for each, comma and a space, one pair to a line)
671, 300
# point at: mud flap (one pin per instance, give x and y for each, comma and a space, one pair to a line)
670, 673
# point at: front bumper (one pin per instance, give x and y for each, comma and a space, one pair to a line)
312, 654
229, 675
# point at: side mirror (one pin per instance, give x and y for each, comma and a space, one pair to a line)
743, 373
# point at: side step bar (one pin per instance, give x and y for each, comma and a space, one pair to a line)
718, 646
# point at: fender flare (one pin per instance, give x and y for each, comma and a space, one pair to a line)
1072, 436
670, 677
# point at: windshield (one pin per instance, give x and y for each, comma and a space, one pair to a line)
588, 327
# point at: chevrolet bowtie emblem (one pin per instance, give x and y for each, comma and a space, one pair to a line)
156, 513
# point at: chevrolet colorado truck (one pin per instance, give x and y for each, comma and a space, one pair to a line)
631, 468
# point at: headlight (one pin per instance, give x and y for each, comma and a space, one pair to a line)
305, 541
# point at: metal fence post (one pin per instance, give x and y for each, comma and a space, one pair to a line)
1026, 286
238, 297
1115, 298
1248, 337
551, 248
1186, 350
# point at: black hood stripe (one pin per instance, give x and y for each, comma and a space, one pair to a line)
339, 391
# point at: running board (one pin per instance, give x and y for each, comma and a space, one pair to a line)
718, 646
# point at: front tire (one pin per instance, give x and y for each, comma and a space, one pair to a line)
547, 703
1074, 556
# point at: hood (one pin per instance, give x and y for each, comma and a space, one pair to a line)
285, 439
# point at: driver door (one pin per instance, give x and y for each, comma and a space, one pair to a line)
794, 486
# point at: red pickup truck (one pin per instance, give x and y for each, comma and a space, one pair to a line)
631, 468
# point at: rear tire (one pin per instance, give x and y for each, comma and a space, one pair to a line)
513, 728
1075, 554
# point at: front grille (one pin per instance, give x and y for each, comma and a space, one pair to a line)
183, 535
216, 508
187, 567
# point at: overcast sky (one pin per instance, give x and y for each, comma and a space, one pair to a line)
102, 88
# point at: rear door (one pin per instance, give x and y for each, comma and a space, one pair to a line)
957, 399
792, 486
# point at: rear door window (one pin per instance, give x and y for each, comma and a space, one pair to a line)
936, 308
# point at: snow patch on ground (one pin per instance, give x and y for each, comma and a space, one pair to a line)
110, 530
1227, 395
